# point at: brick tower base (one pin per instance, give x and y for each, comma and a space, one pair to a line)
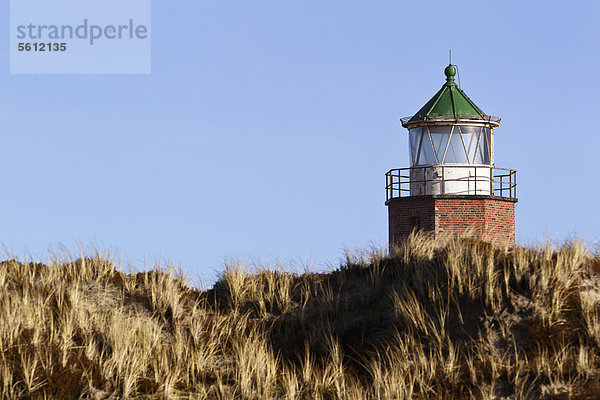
490, 218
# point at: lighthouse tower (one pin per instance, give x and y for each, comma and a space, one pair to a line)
452, 186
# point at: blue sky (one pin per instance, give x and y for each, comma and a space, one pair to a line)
266, 128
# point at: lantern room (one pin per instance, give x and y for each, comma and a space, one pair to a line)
451, 149
455, 130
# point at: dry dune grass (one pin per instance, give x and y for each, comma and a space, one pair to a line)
458, 319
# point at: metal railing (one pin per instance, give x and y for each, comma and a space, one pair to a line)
451, 179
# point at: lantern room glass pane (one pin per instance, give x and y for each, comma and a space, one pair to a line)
470, 136
414, 138
486, 145
440, 136
427, 155
482, 153
456, 151
479, 153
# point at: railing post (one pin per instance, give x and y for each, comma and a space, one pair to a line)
425, 179
443, 180
515, 194
475, 180
387, 186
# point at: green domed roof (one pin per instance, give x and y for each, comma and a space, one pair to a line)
449, 103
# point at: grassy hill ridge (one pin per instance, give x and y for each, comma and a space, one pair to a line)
459, 319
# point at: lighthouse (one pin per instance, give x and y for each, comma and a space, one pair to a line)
452, 186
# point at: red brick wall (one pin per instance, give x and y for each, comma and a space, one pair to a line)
400, 212
491, 219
